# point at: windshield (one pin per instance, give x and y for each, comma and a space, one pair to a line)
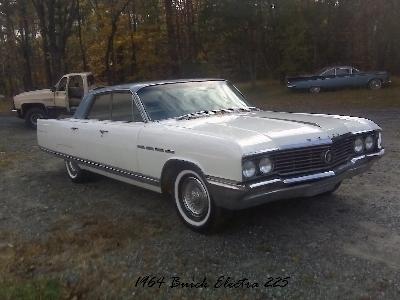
178, 99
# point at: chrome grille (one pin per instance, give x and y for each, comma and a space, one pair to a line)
312, 159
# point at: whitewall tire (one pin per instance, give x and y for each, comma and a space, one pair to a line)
74, 172
193, 201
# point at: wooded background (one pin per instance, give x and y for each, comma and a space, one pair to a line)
130, 40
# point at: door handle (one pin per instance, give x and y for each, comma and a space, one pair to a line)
103, 131
74, 128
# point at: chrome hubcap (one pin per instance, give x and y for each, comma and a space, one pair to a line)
376, 84
194, 196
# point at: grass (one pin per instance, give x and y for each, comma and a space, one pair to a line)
271, 95
39, 268
45, 289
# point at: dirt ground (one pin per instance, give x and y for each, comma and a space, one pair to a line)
94, 240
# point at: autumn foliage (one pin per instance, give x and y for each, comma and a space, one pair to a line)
130, 40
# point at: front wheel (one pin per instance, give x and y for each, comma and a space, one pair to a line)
315, 90
194, 203
32, 115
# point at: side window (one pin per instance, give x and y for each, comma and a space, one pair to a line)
90, 80
76, 82
75, 87
342, 71
101, 107
124, 108
62, 85
330, 72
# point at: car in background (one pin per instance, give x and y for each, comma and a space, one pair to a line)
63, 98
339, 77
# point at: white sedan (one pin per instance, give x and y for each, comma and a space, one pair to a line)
200, 141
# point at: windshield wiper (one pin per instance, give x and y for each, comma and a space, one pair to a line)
214, 112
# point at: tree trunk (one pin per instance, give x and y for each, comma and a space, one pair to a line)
81, 46
173, 53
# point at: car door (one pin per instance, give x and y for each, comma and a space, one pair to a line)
327, 79
343, 77
119, 137
60, 93
108, 135
359, 79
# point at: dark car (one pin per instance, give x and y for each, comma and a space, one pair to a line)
338, 78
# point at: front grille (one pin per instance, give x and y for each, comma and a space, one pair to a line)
312, 159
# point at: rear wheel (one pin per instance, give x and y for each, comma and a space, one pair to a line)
194, 203
32, 115
375, 84
75, 173
315, 90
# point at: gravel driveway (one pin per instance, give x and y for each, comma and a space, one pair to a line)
94, 240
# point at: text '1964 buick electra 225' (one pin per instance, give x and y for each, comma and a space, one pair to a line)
202, 143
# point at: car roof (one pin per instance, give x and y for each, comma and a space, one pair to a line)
340, 67
136, 86
78, 74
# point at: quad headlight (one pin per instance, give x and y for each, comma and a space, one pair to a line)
256, 167
249, 169
369, 143
265, 165
358, 145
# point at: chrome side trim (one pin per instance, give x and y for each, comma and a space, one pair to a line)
258, 184
227, 183
309, 177
106, 168
356, 159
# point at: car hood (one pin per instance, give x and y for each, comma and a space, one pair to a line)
38, 94
265, 130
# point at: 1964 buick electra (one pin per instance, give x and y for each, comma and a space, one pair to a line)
200, 141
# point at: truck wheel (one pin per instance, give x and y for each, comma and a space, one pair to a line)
315, 90
32, 115
75, 173
375, 84
194, 203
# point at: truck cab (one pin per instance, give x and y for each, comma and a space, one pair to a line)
62, 98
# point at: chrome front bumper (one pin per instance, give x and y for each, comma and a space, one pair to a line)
238, 196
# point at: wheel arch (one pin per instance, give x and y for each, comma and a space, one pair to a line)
26, 106
171, 169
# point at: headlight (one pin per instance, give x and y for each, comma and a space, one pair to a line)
358, 145
249, 169
369, 143
265, 165
379, 141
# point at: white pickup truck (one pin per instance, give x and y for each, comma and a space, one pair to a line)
200, 141
63, 98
